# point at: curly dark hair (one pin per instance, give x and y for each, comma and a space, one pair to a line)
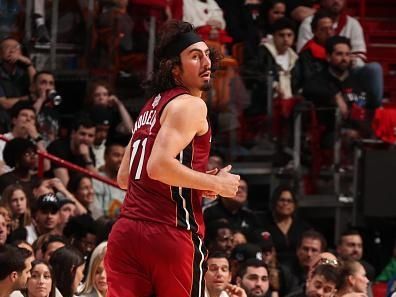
162, 78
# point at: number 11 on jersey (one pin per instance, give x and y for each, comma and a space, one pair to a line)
136, 145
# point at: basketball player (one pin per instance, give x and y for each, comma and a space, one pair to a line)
156, 248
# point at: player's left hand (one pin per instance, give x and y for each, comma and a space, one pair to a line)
235, 291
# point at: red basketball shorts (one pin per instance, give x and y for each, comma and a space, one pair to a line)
146, 258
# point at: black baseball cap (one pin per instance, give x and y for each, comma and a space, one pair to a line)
48, 202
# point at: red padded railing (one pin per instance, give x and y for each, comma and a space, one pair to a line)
68, 165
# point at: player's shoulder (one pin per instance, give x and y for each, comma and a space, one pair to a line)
187, 102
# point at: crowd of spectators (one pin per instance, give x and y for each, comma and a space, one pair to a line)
293, 52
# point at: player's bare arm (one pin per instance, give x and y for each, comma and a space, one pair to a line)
123, 171
182, 119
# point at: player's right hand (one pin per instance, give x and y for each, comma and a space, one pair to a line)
229, 182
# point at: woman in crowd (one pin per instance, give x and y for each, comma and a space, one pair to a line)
95, 284
100, 94
41, 282
283, 224
68, 265
352, 279
15, 199
81, 187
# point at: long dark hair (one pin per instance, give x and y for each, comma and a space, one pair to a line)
162, 78
52, 293
65, 262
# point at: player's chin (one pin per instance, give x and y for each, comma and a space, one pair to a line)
206, 86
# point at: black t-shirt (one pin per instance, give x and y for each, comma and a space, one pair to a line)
61, 148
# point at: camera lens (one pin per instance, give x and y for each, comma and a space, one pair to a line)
54, 97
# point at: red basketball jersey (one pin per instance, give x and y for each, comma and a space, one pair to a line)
152, 200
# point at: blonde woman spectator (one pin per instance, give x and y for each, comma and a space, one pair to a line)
96, 281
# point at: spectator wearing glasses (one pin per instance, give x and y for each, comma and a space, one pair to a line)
283, 224
20, 154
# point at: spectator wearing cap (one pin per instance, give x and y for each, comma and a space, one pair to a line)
280, 277
240, 254
46, 217
283, 224
100, 93
77, 149
235, 211
109, 197
23, 121
20, 154
101, 116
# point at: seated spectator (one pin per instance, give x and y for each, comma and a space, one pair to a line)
207, 17
95, 284
109, 197
103, 228
42, 281
277, 57
283, 224
253, 277
235, 211
100, 94
20, 154
76, 149
68, 265
310, 245
369, 74
218, 276
15, 266
352, 279
281, 279
101, 116
15, 199
68, 209
23, 120
313, 59
81, 187
16, 73
350, 247
81, 233
3, 230
45, 101
218, 237
322, 283
338, 86
51, 244
259, 16
45, 217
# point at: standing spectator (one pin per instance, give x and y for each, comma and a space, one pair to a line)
23, 120
95, 284
109, 197
20, 154
253, 278
16, 73
313, 59
76, 149
15, 266
68, 265
43, 96
41, 282
235, 210
350, 247
15, 199
283, 224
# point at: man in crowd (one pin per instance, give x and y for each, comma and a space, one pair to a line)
219, 237
3, 230
15, 266
76, 149
51, 244
253, 278
218, 275
350, 247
